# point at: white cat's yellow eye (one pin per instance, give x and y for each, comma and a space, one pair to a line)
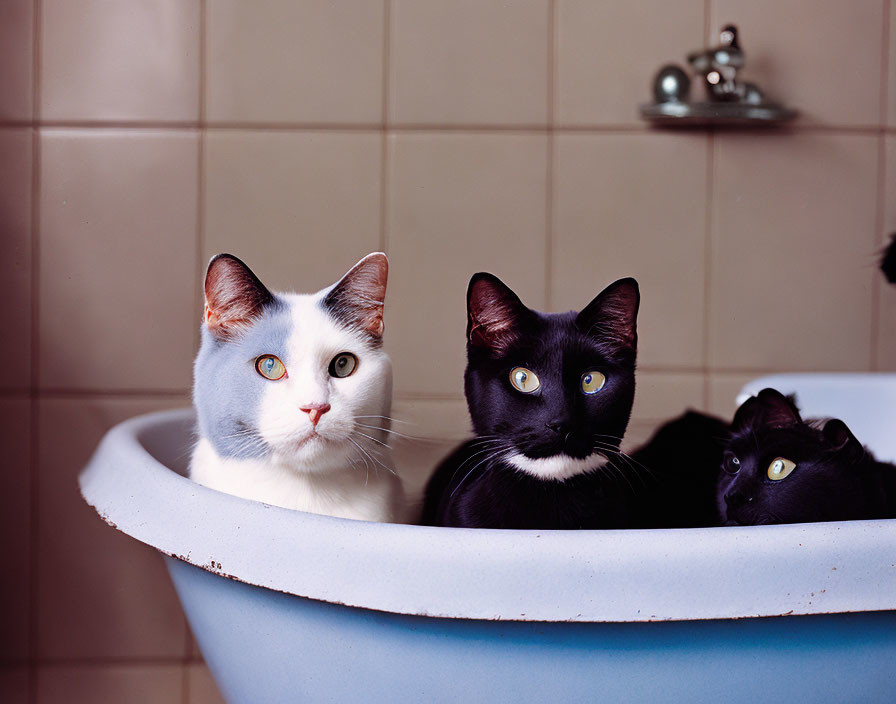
343, 364
524, 380
593, 381
779, 468
270, 367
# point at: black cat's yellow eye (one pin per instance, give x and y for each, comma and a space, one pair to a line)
524, 380
343, 365
593, 381
270, 367
779, 468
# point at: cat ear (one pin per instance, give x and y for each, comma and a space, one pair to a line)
494, 313
778, 410
768, 408
840, 436
747, 416
612, 315
357, 299
234, 296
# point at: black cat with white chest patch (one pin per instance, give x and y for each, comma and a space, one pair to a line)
776, 468
550, 397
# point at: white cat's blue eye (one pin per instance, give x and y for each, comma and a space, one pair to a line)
342, 365
524, 380
270, 367
779, 468
593, 381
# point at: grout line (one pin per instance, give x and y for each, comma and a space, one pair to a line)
387, 59
880, 205
707, 261
199, 301
119, 124
203, 63
185, 683
876, 280
112, 661
366, 127
200, 266
34, 372
707, 19
885, 64
549, 162
384, 145
61, 394
424, 396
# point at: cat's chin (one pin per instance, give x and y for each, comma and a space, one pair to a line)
558, 467
315, 454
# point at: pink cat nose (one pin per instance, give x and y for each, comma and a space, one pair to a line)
315, 411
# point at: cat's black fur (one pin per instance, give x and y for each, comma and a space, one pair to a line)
476, 486
682, 460
835, 478
888, 260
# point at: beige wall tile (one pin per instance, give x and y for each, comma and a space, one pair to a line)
469, 62
824, 61
458, 204
15, 258
289, 61
118, 259
16, 59
14, 685
638, 433
299, 207
793, 245
100, 593
15, 527
608, 53
120, 61
202, 687
432, 419
886, 341
415, 462
89, 684
664, 395
635, 205
723, 391
430, 429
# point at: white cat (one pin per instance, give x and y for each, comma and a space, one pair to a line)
293, 394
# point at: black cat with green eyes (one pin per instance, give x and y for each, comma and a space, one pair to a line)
550, 397
776, 468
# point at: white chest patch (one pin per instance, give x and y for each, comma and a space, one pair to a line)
558, 467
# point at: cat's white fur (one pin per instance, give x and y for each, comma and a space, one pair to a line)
558, 467
331, 469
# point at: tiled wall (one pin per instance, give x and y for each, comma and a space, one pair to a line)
139, 138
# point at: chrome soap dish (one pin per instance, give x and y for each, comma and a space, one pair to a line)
729, 102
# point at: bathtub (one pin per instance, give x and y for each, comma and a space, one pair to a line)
290, 607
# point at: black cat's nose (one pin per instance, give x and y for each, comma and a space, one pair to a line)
561, 427
738, 498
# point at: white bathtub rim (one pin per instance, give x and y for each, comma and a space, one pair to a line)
578, 576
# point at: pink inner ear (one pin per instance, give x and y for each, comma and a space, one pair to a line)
492, 316
233, 296
777, 410
359, 296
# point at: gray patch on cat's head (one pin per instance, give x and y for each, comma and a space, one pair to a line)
227, 390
